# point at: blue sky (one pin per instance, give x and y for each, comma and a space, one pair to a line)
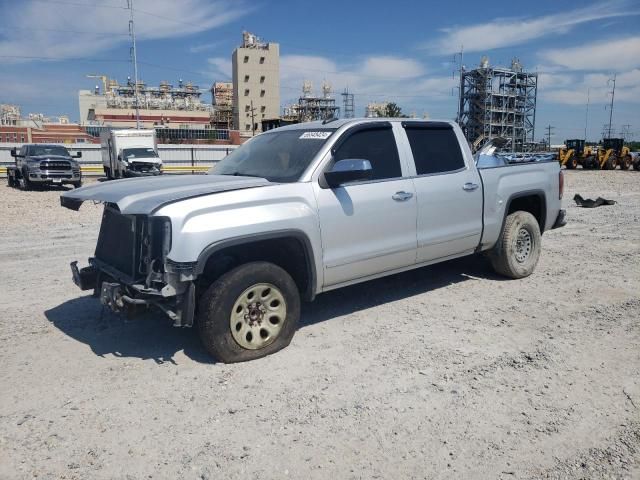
398, 51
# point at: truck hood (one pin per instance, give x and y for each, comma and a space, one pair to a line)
51, 157
146, 194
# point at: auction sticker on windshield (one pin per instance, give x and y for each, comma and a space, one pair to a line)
316, 135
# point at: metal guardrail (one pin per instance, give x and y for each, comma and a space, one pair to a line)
189, 158
97, 170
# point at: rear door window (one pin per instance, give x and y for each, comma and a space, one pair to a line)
376, 145
435, 150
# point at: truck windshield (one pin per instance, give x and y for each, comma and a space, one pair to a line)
277, 156
133, 153
49, 150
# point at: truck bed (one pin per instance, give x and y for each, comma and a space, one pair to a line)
504, 182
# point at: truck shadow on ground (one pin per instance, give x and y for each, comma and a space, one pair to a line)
370, 294
149, 336
152, 337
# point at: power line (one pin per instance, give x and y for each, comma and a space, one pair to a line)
109, 34
76, 59
79, 4
549, 130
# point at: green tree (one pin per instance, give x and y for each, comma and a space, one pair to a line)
392, 110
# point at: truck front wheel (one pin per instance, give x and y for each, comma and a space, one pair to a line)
517, 251
249, 312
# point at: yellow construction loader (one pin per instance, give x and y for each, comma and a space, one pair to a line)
575, 153
612, 153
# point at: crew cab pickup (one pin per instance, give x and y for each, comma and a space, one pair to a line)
304, 209
41, 164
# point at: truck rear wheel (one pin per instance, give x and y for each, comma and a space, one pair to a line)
517, 251
611, 163
625, 162
572, 162
248, 313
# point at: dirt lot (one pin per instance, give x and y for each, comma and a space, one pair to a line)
444, 372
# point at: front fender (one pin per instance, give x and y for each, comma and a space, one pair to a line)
202, 225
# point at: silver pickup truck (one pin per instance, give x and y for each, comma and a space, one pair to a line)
304, 209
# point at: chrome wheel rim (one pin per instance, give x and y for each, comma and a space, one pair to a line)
257, 316
524, 243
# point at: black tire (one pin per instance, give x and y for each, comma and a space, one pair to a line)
24, 183
571, 163
218, 301
611, 163
636, 165
508, 256
77, 184
625, 162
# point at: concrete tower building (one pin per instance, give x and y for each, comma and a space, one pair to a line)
256, 83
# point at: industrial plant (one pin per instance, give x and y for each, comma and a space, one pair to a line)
498, 102
165, 105
311, 106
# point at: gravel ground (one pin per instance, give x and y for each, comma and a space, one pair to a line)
445, 372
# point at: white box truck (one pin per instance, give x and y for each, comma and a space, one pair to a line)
130, 153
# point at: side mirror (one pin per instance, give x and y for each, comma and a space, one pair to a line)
350, 170
14, 152
77, 155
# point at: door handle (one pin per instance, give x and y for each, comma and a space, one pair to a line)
402, 196
470, 187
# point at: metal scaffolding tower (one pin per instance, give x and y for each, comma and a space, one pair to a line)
348, 104
498, 102
312, 107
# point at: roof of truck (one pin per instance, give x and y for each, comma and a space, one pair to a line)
337, 123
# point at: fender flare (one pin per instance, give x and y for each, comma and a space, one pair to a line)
299, 235
528, 193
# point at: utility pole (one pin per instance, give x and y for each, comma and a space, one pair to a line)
549, 130
134, 55
613, 92
625, 131
586, 117
253, 120
460, 72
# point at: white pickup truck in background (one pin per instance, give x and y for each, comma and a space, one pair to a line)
308, 208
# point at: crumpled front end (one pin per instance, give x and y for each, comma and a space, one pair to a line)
130, 270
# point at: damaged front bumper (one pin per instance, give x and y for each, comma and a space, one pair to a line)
175, 296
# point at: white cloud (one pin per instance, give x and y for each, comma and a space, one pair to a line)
204, 47
504, 32
609, 55
221, 66
392, 67
626, 79
576, 96
548, 81
374, 78
598, 88
67, 30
